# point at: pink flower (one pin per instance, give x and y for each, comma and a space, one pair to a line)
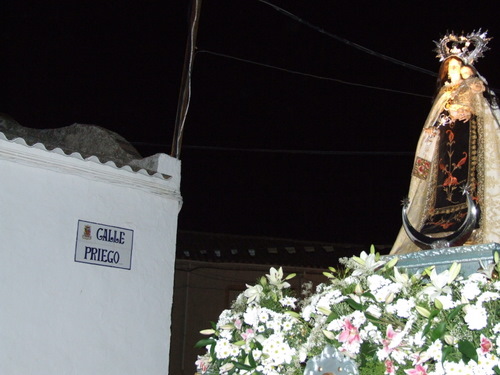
486, 344
201, 364
238, 323
392, 342
390, 334
248, 334
389, 367
417, 358
349, 334
418, 370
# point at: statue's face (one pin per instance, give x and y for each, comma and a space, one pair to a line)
466, 72
454, 67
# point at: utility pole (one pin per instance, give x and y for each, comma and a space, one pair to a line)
185, 90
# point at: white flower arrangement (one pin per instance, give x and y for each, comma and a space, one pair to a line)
261, 334
384, 320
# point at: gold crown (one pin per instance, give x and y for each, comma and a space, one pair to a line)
468, 47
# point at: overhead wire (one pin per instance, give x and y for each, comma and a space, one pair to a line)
311, 75
348, 42
180, 122
304, 152
355, 45
284, 151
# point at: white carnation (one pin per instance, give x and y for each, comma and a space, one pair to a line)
376, 282
487, 297
358, 318
404, 307
251, 316
478, 278
335, 325
470, 290
475, 317
306, 312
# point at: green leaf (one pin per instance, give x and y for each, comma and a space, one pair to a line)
446, 352
251, 360
354, 304
212, 350
468, 350
496, 369
258, 345
438, 331
333, 315
242, 366
204, 342
372, 319
434, 313
453, 313
426, 329
369, 295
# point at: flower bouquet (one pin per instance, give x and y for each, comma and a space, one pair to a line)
381, 318
260, 334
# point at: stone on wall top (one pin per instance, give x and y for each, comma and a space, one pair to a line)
88, 141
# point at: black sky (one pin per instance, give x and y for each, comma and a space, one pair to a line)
266, 152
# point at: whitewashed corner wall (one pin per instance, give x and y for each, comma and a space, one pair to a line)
59, 316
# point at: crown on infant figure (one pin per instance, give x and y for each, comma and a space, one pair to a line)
468, 47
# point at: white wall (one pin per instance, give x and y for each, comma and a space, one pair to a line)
58, 316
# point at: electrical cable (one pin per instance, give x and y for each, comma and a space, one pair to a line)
306, 152
348, 42
285, 151
311, 75
355, 45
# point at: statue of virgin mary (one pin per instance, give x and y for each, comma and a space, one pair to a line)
458, 150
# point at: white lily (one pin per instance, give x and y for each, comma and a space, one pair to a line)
404, 279
253, 293
488, 269
275, 278
401, 278
454, 271
438, 285
367, 263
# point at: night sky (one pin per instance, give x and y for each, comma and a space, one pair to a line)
266, 150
